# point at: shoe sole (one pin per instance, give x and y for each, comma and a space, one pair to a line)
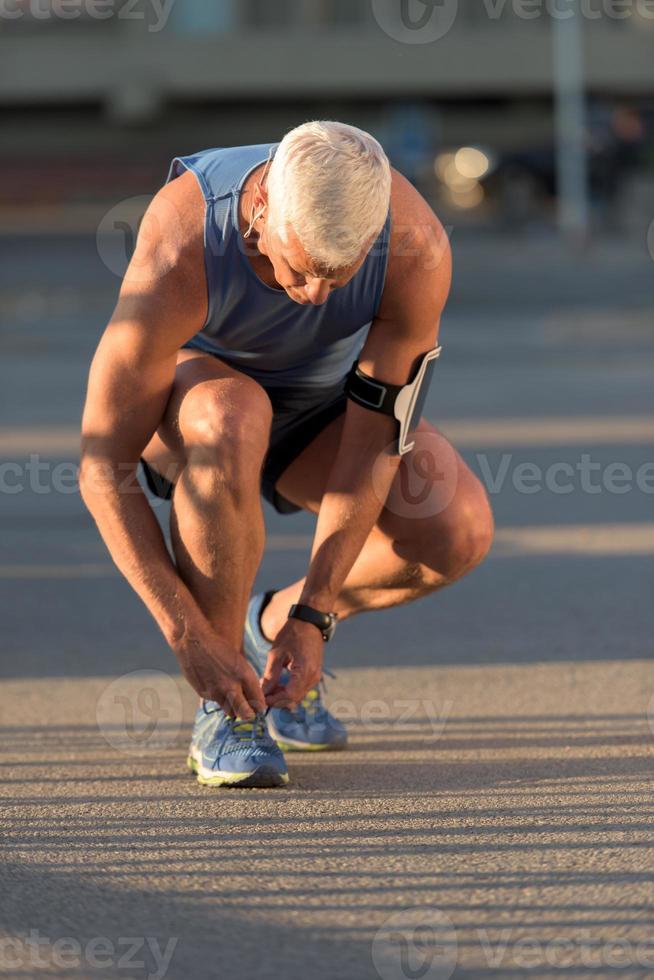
262, 778
293, 745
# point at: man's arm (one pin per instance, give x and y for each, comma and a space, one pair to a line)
162, 304
417, 286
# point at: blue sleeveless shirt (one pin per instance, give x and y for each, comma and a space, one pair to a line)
257, 329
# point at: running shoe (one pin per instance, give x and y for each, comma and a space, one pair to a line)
232, 752
310, 727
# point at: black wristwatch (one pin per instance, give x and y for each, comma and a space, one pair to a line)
326, 622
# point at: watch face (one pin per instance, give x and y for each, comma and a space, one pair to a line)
331, 629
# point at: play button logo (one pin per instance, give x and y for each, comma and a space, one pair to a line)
416, 944
415, 21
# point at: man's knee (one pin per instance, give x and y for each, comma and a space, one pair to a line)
226, 428
455, 541
468, 534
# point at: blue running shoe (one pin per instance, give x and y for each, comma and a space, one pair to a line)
228, 752
311, 727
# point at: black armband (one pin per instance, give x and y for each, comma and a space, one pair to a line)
401, 402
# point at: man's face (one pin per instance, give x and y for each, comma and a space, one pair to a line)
297, 274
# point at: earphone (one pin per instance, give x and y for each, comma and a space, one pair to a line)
255, 217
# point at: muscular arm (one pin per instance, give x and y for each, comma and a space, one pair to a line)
417, 286
162, 304
159, 308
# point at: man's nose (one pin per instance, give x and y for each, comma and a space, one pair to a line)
317, 291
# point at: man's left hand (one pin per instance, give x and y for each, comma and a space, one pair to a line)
298, 648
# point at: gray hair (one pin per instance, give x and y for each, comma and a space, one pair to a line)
330, 183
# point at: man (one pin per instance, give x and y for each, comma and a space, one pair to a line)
260, 274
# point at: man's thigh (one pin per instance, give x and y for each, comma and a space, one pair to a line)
429, 487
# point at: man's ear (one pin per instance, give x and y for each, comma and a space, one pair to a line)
260, 197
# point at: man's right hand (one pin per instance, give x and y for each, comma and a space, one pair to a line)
219, 673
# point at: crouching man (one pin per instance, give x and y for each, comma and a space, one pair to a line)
275, 334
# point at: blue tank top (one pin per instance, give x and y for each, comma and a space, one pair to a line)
255, 328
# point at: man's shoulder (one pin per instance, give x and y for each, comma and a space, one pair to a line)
166, 272
171, 234
180, 208
419, 244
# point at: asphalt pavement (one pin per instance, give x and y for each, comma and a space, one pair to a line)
492, 815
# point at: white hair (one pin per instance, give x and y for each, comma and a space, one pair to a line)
331, 184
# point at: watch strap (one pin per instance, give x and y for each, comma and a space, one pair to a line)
325, 622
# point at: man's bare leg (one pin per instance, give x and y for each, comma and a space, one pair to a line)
408, 554
212, 444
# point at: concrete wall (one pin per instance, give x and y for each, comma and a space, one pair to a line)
132, 63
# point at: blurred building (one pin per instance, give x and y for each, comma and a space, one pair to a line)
132, 54
143, 79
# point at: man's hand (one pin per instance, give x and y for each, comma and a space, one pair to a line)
298, 647
219, 673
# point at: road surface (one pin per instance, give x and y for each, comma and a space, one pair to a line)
492, 816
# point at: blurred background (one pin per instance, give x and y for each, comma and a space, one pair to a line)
97, 95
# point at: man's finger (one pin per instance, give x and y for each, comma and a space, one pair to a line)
279, 699
273, 672
216, 697
273, 692
239, 706
299, 683
253, 692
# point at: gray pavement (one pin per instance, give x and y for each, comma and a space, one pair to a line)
492, 816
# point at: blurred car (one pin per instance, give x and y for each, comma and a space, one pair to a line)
524, 183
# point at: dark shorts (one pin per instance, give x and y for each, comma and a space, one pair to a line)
299, 415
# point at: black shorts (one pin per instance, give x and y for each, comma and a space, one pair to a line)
299, 415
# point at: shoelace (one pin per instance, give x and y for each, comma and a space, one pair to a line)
249, 731
242, 730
